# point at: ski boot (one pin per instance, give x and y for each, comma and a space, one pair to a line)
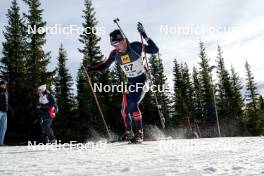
127, 136
138, 138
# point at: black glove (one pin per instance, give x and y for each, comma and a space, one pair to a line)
141, 30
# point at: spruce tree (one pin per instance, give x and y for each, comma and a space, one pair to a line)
261, 102
65, 120
188, 89
148, 108
237, 100
89, 118
117, 77
207, 86
37, 58
184, 107
13, 70
251, 94
198, 99
188, 96
179, 106
253, 117
224, 88
159, 79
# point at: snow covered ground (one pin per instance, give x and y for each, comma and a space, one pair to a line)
214, 156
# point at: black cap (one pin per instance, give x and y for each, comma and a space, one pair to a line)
116, 35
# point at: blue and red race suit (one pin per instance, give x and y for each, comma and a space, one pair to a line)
132, 65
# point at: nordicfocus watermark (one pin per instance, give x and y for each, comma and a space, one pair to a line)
59, 29
191, 29
196, 146
125, 87
72, 145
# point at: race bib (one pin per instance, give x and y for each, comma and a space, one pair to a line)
133, 69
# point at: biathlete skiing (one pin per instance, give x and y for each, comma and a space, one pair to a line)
129, 57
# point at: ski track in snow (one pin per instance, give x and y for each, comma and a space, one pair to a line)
210, 156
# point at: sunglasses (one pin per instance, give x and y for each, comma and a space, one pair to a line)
115, 43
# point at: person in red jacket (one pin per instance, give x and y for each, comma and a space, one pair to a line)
45, 103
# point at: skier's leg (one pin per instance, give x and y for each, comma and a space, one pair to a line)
137, 118
128, 135
3, 126
136, 113
125, 113
46, 127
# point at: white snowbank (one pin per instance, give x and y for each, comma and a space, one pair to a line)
215, 156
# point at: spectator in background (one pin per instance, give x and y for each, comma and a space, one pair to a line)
45, 103
3, 110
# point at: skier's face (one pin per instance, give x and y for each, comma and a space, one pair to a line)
122, 46
40, 91
119, 45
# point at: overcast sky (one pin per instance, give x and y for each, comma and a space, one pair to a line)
237, 25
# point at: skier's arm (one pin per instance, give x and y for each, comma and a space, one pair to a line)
107, 63
151, 47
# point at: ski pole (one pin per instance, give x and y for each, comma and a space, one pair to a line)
86, 75
189, 123
116, 22
161, 116
198, 130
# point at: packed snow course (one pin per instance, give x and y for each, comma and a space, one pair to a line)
207, 156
